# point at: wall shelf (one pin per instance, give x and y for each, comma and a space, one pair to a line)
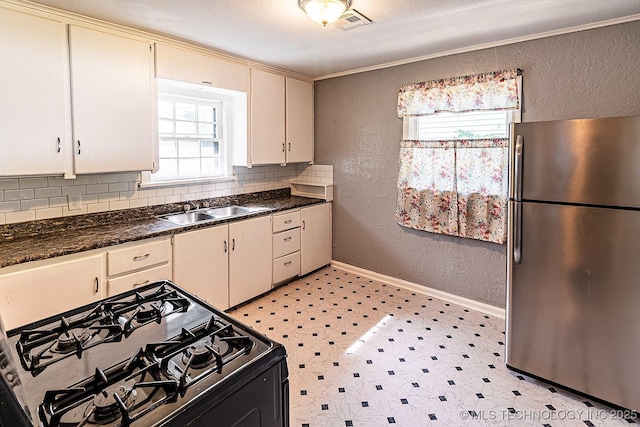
315, 190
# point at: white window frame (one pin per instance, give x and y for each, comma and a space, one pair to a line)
411, 125
233, 126
219, 136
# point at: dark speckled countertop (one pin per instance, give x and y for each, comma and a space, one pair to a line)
37, 240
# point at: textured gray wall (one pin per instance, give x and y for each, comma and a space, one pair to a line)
593, 73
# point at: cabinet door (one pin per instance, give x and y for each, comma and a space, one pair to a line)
37, 292
191, 67
33, 106
267, 118
200, 264
299, 120
250, 259
111, 87
315, 237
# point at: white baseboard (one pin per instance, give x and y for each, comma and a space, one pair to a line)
424, 290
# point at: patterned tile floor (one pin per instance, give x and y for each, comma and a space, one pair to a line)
365, 353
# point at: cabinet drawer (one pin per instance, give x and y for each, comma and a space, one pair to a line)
286, 221
286, 242
286, 267
141, 278
137, 257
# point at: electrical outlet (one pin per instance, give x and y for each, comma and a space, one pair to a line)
75, 202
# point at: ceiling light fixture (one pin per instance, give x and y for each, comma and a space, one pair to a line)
324, 11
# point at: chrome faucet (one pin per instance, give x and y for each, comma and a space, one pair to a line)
190, 205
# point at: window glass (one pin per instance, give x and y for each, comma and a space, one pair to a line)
190, 144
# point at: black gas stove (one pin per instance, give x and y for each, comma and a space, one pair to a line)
156, 356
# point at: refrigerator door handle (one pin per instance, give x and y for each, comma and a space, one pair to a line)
517, 232
517, 178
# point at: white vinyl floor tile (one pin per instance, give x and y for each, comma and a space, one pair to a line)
366, 353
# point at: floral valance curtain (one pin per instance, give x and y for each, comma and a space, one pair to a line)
496, 90
456, 187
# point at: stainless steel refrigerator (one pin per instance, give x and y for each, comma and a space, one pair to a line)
573, 270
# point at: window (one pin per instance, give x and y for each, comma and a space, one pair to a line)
191, 143
468, 125
452, 177
198, 127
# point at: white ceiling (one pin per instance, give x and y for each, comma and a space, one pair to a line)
278, 33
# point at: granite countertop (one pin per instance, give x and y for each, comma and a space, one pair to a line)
37, 240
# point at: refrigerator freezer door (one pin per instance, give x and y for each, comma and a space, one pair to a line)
589, 161
572, 301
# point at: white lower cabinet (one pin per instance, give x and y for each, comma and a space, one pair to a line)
201, 266
136, 264
249, 259
286, 245
39, 289
315, 237
225, 265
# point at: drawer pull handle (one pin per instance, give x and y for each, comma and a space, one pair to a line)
96, 286
141, 283
287, 264
233, 244
141, 257
286, 239
225, 246
289, 221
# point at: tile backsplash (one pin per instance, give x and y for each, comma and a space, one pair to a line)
27, 199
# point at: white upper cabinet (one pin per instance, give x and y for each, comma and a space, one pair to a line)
267, 118
34, 95
112, 101
281, 119
188, 66
299, 120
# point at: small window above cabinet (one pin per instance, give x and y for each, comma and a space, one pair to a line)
281, 119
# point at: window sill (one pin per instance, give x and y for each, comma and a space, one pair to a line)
171, 183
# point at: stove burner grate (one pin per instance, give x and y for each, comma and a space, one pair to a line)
110, 404
109, 321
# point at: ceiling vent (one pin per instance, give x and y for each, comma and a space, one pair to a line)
351, 19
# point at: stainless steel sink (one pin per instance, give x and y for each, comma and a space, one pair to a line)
188, 218
232, 211
211, 214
